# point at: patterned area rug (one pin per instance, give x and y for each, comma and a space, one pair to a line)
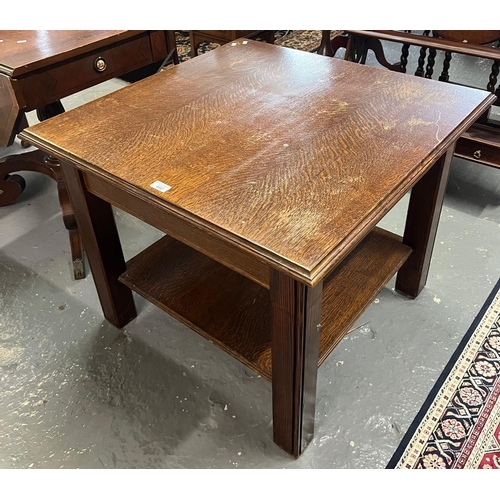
308, 40
458, 426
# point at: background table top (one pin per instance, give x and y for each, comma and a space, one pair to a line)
26, 50
291, 155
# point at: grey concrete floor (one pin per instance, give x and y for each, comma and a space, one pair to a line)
75, 392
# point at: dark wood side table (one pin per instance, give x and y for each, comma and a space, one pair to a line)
37, 69
269, 187
225, 36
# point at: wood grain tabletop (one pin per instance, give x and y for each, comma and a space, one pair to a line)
291, 155
27, 50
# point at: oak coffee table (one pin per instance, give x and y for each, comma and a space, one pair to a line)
268, 169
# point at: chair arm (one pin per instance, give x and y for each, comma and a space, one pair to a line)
430, 42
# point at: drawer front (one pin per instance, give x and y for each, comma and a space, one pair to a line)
227, 34
74, 75
478, 152
221, 36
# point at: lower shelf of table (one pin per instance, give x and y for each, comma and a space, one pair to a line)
235, 313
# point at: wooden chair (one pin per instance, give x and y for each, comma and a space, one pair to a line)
481, 143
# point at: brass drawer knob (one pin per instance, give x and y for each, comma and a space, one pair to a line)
477, 154
100, 64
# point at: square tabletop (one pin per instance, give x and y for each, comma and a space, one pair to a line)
290, 155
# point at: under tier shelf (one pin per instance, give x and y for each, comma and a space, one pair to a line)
235, 313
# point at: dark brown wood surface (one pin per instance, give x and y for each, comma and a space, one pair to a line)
97, 227
38, 68
65, 79
296, 326
59, 74
27, 50
480, 143
290, 156
479, 37
10, 110
432, 42
422, 219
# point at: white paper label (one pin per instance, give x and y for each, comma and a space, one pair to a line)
160, 186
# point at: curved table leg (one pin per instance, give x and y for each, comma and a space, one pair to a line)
329, 47
376, 46
360, 47
11, 187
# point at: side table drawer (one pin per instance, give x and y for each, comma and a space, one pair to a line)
476, 148
74, 75
217, 33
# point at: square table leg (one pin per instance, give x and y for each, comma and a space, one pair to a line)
424, 210
296, 316
96, 222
